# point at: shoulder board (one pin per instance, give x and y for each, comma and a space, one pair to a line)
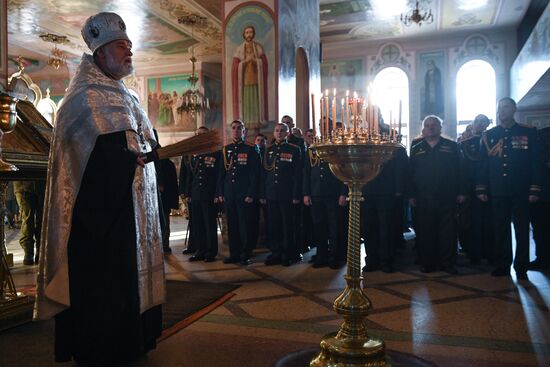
417, 143
292, 145
527, 126
250, 144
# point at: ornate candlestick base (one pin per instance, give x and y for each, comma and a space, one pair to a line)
8, 119
355, 163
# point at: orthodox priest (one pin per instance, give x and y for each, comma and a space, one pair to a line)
101, 266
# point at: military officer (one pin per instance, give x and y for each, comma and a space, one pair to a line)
204, 171
260, 230
281, 177
475, 218
383, 197
509, 173
434, 190
238, 188
540, 209
30, 198
183, 182
323, 193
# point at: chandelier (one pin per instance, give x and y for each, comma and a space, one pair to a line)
57, 57
193, 101
414, 16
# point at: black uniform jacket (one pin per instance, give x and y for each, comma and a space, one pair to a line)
469, 151
204, 176
282, 172
392, 178
509, 162
435, 172
318, 179
239, 171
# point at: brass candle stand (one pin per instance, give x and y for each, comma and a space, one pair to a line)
8, 119
355, 156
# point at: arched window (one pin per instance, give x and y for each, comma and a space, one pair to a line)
475, 93
391, 94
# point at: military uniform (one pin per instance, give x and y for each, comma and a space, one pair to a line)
475, 217
540, 219
30, 198
509, 171
380, 211
183, 189
435, 184
281, 177
300, 230
202, 190
238, 179
324, 189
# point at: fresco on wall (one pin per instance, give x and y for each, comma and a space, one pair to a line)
164, 96
343, 75
250, 66
431, 71
213, 118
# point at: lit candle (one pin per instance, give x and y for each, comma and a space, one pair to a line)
364, 113
399, 131
321, 115
313, 113
375, 109
347, 109
334, 113
326, 114
354, 114
390, 132
342, 113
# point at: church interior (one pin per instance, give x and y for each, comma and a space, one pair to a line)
184, 78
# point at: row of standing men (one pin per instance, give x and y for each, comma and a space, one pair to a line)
443, 181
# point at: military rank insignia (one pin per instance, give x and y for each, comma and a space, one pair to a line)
520, 142
242, 158
286, 157
209, 161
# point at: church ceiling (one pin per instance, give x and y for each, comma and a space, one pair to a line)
380, 19
160, 40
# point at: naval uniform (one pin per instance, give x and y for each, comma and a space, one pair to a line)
202, 190
281, 177
509, 171
238, 179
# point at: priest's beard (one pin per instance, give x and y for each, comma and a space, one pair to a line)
117, 69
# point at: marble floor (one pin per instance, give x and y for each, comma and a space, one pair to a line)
469, 319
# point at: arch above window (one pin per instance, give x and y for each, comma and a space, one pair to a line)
391, 94
475, 92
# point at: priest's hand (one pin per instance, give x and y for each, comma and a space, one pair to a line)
342, 200
307, 200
